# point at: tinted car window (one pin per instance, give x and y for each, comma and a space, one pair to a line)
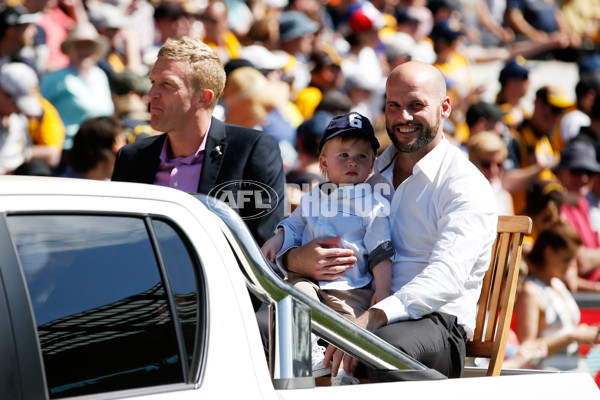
180, 268
99, 302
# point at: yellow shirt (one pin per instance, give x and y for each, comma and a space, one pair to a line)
232, 44
49, 130
457, 71
533, 150
307, 101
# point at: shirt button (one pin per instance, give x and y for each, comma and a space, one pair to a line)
176, 184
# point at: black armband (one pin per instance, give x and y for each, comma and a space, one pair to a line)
382, 252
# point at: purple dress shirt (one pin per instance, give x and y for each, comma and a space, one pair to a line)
181, 173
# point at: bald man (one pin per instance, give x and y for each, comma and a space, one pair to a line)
443, 217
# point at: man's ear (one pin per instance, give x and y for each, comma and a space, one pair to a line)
205, 98
446, 108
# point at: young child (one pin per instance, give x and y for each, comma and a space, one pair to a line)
348, 207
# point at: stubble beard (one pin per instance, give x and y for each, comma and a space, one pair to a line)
425, 137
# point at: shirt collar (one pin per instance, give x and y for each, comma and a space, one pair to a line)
385, 160
432, 162
191, 159
428, 165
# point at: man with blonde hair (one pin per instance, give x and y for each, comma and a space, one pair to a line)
198, 153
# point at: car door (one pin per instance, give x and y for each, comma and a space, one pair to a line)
116, 299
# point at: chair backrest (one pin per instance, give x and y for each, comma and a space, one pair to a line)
498, 292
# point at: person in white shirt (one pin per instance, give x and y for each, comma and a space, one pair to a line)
18, 101
572, 121
443, 216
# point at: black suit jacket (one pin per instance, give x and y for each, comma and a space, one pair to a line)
246, 160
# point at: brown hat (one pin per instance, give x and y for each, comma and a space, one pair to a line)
85, 32
248, 83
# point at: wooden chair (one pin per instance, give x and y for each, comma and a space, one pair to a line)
498, 292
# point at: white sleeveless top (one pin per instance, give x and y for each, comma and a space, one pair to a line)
562, 316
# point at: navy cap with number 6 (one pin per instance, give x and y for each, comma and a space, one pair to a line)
352, 123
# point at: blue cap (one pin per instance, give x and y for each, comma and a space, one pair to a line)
436, 5
514, 68
589, 63
406, 14
351, 123
446, 29
294, 24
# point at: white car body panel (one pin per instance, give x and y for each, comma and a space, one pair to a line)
235, 362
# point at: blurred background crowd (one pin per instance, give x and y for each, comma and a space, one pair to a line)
74, 89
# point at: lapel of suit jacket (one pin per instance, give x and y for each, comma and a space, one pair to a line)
151, 162
212, 157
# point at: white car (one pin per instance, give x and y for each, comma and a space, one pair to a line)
116, 290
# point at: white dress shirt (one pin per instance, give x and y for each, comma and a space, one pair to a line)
444, 219
357, 214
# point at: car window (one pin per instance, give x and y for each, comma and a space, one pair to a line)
183, 281
104, 321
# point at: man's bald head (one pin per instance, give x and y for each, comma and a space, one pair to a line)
415, 105
421, 76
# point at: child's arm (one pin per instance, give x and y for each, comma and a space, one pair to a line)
273, 245
382, 273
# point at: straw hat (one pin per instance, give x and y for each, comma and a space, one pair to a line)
249, 97
248, 83
86, 33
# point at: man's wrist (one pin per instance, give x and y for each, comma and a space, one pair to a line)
377, 319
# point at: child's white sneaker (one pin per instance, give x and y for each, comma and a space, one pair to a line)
343, 378
318, 354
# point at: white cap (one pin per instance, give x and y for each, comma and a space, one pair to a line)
21, 82
105, 15
263, 58
399, 43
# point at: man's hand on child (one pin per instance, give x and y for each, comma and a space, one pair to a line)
320, 259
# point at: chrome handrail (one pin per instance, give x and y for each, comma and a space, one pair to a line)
271, 289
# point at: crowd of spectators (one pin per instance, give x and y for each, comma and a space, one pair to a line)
74, 86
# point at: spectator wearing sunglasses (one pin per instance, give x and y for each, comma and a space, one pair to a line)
488, 152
